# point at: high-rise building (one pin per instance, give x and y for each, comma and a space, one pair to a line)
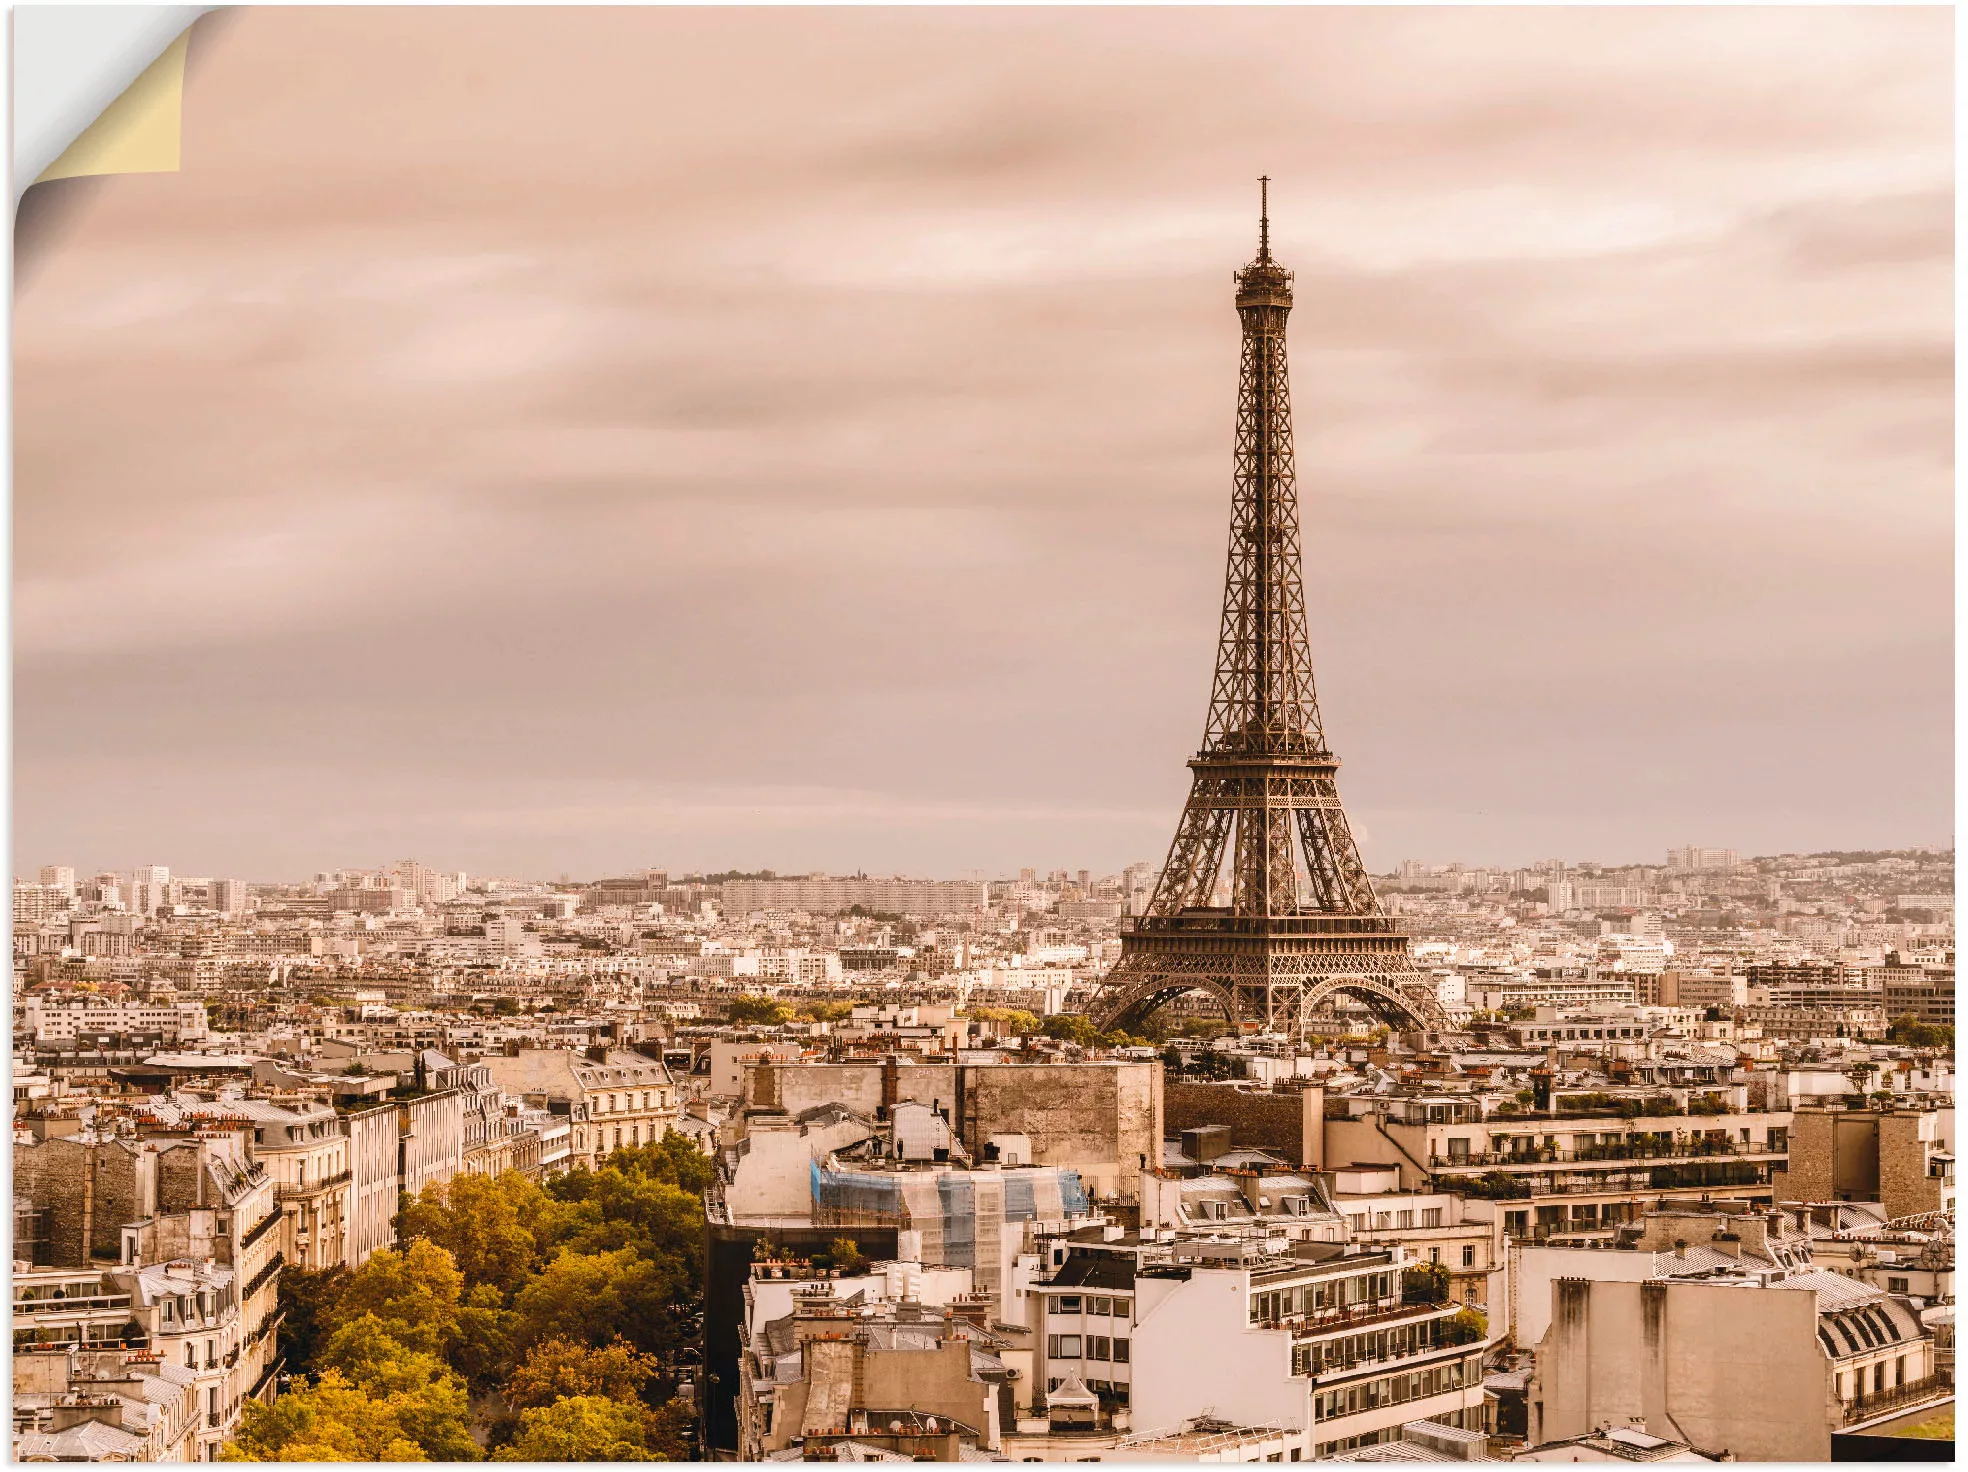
59, 876
1694, 859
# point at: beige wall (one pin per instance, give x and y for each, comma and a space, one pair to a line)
1101, 1119
1721, 1368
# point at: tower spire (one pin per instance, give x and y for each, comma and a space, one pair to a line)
1264, 218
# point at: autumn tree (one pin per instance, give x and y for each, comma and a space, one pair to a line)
582, 1428
486, 1223
559, 1367
413, 1294
376, 1400
328, 1422
594, 1297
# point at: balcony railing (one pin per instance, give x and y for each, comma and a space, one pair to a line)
1331, 1320
273, 1265
1884, 1402
266, 1224
1608, 1155
24, 1306
288, 1192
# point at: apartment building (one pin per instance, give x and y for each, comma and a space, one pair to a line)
900, 1353
1761, 1371
1901, 1158
1921, 990
625, 1098
49, 1020
1319, 1339
1570, 1170
104, 1405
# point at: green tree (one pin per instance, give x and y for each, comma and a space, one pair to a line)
674, 1158
414, 1294
1070, 1027
1910, 1032
483, 1351
594, 1297
582, 1428
305, 1297
486, 1223
1426, 1282
614, 1208
559, 1368
846, 1254
752, 1011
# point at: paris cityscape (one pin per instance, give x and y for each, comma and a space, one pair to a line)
408, 1164
1271, 1144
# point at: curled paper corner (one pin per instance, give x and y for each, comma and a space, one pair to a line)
140, 132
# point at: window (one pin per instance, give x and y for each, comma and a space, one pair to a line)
1066, 1303
1062, 1346
1120, 1348
1431, 1216
1404, 1219
1435, 1255
1468, 1255
1458, 1148
1100, 1306
1896, 1285
1097, 1347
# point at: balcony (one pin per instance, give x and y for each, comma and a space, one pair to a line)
267, 1224
1623, 1153
274, 1264
1900, 1397
313, 1188
1337, 1320
86, 1304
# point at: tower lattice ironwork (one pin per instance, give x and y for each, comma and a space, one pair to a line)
1264, 901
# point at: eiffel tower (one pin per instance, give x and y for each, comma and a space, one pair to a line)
1264, 902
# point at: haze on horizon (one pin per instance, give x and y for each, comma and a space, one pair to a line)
543, 441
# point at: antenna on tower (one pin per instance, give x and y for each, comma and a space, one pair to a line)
1264, 217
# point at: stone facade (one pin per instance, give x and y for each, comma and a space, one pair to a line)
87, 1191
1257, 1121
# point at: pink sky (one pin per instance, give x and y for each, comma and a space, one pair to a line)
540, 441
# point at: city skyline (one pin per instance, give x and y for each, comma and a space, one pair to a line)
857, 503
27, 872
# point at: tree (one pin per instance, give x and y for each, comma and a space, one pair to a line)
426, 1397
846, 1254
674, 1159
304, 1298
615, 1208
1426, 1282
582, 1428
414, 1294
1910, 1032
486, 1223
753, 1011
828, 1011
559, 1368
594, 1297
328, 1422
1070, 1027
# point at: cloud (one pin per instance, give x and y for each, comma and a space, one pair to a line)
810, 431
